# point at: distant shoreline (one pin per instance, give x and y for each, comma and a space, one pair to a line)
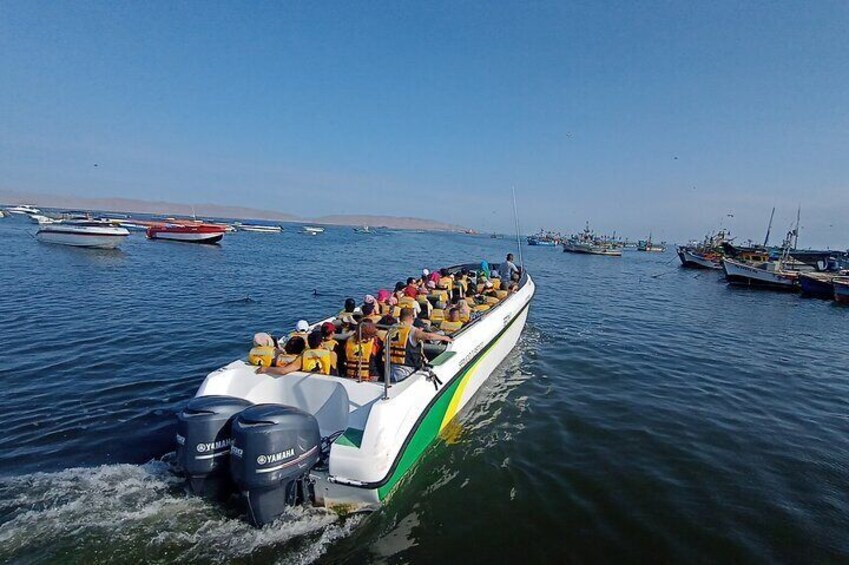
164, 208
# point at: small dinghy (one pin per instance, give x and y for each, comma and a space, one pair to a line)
188, 232
80, 233
343, 443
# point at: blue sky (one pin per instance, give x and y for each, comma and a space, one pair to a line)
636, 116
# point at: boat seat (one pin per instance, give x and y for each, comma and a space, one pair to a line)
325, 399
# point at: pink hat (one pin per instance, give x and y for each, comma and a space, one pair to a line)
369, 299
383, 295
431, 284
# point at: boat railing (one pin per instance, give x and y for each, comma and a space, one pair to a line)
387, 367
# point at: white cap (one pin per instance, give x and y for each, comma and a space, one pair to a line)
425, 272
302, 326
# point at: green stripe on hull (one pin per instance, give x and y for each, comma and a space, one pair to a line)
431, 425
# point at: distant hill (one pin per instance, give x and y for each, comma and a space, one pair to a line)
211, 210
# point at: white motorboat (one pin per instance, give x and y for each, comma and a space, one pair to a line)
259, 228
92, 234
23, 209
337, 442
768, 274
312, 230
41, 219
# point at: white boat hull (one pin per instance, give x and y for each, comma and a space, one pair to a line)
743, 274
188, 237
690, 259
384, 438
94, 238
261, 229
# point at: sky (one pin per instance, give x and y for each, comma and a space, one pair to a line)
674, 118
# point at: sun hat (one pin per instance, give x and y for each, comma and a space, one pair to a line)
302, 326
369, 299
263, 339
431, 284
425, 272
383, 295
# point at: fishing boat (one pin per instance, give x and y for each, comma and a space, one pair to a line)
23, 209
337, 442
841, 289
312, 230
768, 274
82, 233
819, 285
186, 232
694, 259
651, 247
258, 228
589, 243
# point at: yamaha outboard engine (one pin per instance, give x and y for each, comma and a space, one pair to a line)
274, 448
203, 442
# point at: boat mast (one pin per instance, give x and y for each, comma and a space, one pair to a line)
518, 240
796, 231
769, 227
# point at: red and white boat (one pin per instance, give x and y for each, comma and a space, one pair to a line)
188, 232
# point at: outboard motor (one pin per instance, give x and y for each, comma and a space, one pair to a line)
274, 448
203, 442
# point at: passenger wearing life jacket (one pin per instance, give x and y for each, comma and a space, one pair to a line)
446, 282
459, 302
314, 359
328, 332
405, 348
290, 353
361, 353
452, 323
264, 350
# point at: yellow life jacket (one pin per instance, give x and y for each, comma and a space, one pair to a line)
480, 307
398, 346
329, 344
463, 284
446, 283
357, 359
316, 361
501, 294
496, 284
492, 299
450, 327
408, 302
441, 295
285, 358
437, 315
262, 356
384, 308
464, 317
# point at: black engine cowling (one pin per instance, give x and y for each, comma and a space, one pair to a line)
203, 442
274, 448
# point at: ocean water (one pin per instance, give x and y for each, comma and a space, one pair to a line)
649, 413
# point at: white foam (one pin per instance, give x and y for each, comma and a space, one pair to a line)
142, 512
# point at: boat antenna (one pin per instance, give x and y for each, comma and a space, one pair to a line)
769, 227
796, 231
518, 239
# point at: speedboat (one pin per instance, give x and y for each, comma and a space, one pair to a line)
364, 229
340, 443
312, 230
23, 209
40, 219
187, 232
259, 228
92, 234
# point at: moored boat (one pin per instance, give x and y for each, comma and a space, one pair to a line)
188, 232
693, 259
817, 285
338, 442
91, 234
312, 230
23, 209
768, 274
258, 228
841, 289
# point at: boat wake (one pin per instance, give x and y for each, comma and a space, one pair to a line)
134, 513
